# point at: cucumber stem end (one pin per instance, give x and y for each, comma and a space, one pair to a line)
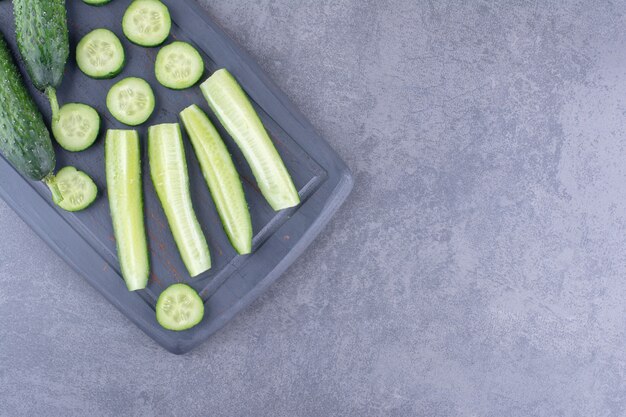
54, 103
51, 182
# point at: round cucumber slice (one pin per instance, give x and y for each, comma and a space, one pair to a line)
77, 127
97, 2
178, 66
131, 101
147, 22
100, 54
77, 189
179, 307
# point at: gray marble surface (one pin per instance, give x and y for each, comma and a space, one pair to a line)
478, 268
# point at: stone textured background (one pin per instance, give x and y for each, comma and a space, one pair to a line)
478, 269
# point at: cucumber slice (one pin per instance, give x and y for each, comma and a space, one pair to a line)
77, 189
232, 107
100, 54
178, 66
147, 22
179, 307
131, 101
168, 169
124, 187
76, 127
221, 176
97, 2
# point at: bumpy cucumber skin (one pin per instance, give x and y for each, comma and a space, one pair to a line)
221, 90
222, 178
123, 173
43, 40
193, 250
24, 139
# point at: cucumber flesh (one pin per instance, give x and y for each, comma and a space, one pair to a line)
100, 54
221, 177
168, 169
178, 66
234, 110
147, 22
124, 188
77, 189
179, 307
131, 101
76, 127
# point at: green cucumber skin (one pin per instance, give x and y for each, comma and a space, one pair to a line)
43, 40
222, 178
194, 249
108, 76
97, 2
222, 91
24, 138
124, 189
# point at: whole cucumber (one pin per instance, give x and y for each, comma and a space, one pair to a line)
24, 138
43, 41
42, 38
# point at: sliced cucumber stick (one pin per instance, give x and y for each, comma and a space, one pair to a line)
235, 112
221, 177
76, 126
124, 187
168, 169
147, 22
179, 307
100, 54
178, 65
77, 189
131, 101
